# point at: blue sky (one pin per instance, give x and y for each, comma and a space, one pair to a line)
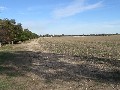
64, 16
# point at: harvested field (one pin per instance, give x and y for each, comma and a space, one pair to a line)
64, 63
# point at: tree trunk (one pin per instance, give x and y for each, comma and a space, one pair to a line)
12, 42
0, 44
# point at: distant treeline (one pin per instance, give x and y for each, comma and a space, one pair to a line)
62, 35
12, 32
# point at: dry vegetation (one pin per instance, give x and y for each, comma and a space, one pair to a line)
101, 47
64, 63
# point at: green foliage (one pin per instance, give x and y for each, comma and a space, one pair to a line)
10, 31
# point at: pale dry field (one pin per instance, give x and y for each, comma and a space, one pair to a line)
64, 63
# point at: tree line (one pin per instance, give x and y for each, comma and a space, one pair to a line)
63, 35
12, 32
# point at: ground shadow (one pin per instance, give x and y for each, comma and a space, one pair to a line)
51, 66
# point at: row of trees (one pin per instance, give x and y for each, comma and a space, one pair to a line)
49, 35
10, 31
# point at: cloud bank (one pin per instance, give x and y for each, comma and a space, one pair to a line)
75, 7
2, 8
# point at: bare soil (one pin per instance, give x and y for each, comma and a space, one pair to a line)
35, 69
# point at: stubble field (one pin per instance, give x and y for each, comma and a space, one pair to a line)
62, 63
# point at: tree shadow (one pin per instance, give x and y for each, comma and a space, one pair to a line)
101, 60
51, 67
10, 65
10, 71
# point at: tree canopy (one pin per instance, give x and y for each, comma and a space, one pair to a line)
12, 31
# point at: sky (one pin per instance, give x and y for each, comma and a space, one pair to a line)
64, 16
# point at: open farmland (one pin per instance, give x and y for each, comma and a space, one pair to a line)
62, 63
100, 47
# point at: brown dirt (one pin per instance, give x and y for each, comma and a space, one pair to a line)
50, 71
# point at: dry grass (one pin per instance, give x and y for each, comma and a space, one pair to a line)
101, 47
65, 63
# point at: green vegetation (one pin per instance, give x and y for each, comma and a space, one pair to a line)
10, 31
8, 83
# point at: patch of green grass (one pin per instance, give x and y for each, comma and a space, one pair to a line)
9, 83
4, 85
6, 48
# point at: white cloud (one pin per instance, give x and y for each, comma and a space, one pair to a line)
74, 8
2, 8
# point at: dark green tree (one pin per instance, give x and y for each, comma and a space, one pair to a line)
10, 31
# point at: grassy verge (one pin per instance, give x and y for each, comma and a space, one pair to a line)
6, 48
9, 83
